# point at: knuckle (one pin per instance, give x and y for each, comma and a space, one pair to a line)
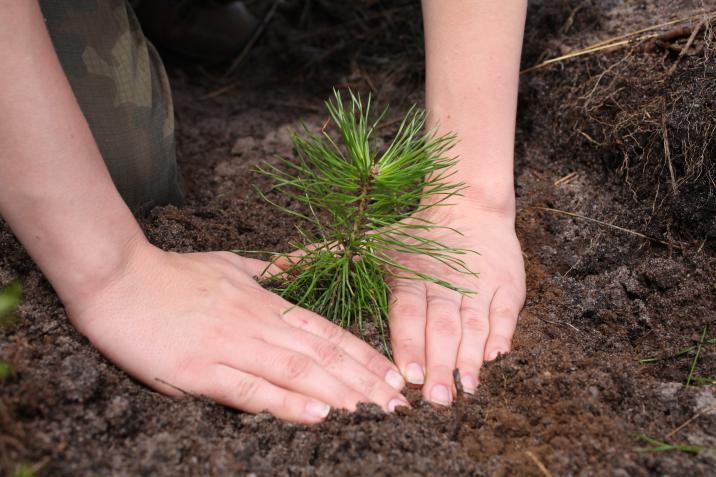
213, 336
349, 400
185, 368
503, 313
476, 323
471, 364
328, 354
287, 402
440, 372
225, 287
334, 333
297, 366
445, 325
368, 386
407, 344
438, 301
377, 362
405, 341
406, 309
501, 339
244, 391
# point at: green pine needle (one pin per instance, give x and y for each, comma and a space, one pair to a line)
678, 354
661, 446
695, 361
361, 203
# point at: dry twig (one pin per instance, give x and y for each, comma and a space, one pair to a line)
619, 41
667, 148
689, 421
459, 405
686, 47
678, 245
539, 464
566, 179
560, 323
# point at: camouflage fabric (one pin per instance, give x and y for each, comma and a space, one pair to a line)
122, 88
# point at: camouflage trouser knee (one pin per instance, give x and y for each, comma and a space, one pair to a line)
123, 91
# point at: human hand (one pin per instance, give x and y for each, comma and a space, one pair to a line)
435, 330
200, 323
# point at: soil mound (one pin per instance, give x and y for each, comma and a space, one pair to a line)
573, 396
645, 108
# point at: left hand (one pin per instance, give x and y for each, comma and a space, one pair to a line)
435, 330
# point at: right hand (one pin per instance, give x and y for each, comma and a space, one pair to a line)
200, 323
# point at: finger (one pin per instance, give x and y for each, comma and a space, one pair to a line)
342, 366
442, 340
475, 320
248, 393
504, 309
356, 348
251, 266
286, 261
259, 268
407, 315
293, 371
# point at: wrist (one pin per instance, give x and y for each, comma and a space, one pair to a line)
106, 266
497, 208
487, 198
80, 241
485, 168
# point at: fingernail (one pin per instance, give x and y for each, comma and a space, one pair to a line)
397, 402
318, 409
440, 395
414, 373
395, 380
469, 383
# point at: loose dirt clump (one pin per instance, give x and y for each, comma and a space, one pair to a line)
573, 396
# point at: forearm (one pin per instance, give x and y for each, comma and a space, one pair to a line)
472, 68
55, 191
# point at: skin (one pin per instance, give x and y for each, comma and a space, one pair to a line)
173, 321
472, 57
188, 322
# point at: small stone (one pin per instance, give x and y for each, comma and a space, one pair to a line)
669, 390
706, 401
118, 411
80, 378
243, 145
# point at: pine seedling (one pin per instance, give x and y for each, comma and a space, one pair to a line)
365, 207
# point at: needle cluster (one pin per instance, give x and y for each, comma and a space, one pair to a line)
366, 207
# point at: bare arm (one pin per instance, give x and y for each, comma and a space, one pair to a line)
472, 60
472, 70
55, 191
191, 320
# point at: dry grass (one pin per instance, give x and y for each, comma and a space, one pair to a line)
646, 109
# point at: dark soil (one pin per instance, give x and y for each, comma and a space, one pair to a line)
569, 400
